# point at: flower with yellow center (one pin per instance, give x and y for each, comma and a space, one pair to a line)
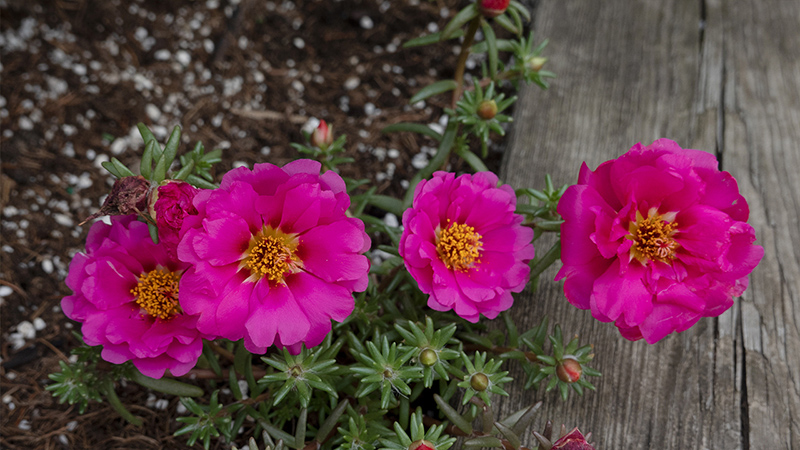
272, 254
157, 293
458, 246
652, 237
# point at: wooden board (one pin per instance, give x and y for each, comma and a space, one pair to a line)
717, 76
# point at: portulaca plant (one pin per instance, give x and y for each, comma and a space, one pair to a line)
261, 284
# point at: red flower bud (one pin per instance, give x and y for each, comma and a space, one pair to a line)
128, 196
569, 370
493, 8
422, 445
169, 204
573, 440
322, 136
487, 109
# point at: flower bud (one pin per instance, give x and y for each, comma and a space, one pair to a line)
322, 136
128, 196
493, 8
428, 357
422, 445
573, 440
479, 382
536, 63
169, 204
569, 370
487, 109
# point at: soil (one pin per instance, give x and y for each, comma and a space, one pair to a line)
244, 76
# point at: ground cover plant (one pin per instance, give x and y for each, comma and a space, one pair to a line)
291, 305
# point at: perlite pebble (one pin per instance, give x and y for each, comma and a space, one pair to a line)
183, 57
352, 83
26, 330
366, 23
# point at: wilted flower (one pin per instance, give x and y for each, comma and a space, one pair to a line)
574, 440
169, 204
128, 196
465, 246
493, 8
274, 257
655, 240
322, 136
127, 297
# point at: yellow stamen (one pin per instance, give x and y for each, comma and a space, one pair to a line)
271, 253
157, 293
652, 237
458, 246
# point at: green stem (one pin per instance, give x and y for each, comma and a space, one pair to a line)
547, 260
462, 58
115, 403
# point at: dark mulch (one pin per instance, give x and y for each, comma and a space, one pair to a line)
77, 75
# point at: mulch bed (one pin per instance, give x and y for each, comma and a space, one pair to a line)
245, 76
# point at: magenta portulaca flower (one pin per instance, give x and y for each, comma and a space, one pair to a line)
126, 295
168, 205
655, 239
274, 257
465, 246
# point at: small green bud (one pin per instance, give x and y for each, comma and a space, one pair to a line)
428, 357
487, 109
536, 63
479, 382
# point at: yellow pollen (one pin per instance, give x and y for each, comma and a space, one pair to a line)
271, 254
458, 246
652, 237
157, 293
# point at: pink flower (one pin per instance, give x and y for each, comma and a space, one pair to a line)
273, 255
464, 245
655, 240
126, 295
169, 204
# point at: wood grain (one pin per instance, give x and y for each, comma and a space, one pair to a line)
719, 76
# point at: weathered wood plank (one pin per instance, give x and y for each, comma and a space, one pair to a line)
762, 149
637, 71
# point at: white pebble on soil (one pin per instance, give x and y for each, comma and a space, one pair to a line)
366, 23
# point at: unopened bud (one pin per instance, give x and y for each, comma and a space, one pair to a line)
493, 8
479, 382
536, 63
487, 109
569, 370
428, 357
422, 444
322, 136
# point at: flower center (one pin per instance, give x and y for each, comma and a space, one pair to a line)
652, 237
157, 293
459, 246
271, 254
